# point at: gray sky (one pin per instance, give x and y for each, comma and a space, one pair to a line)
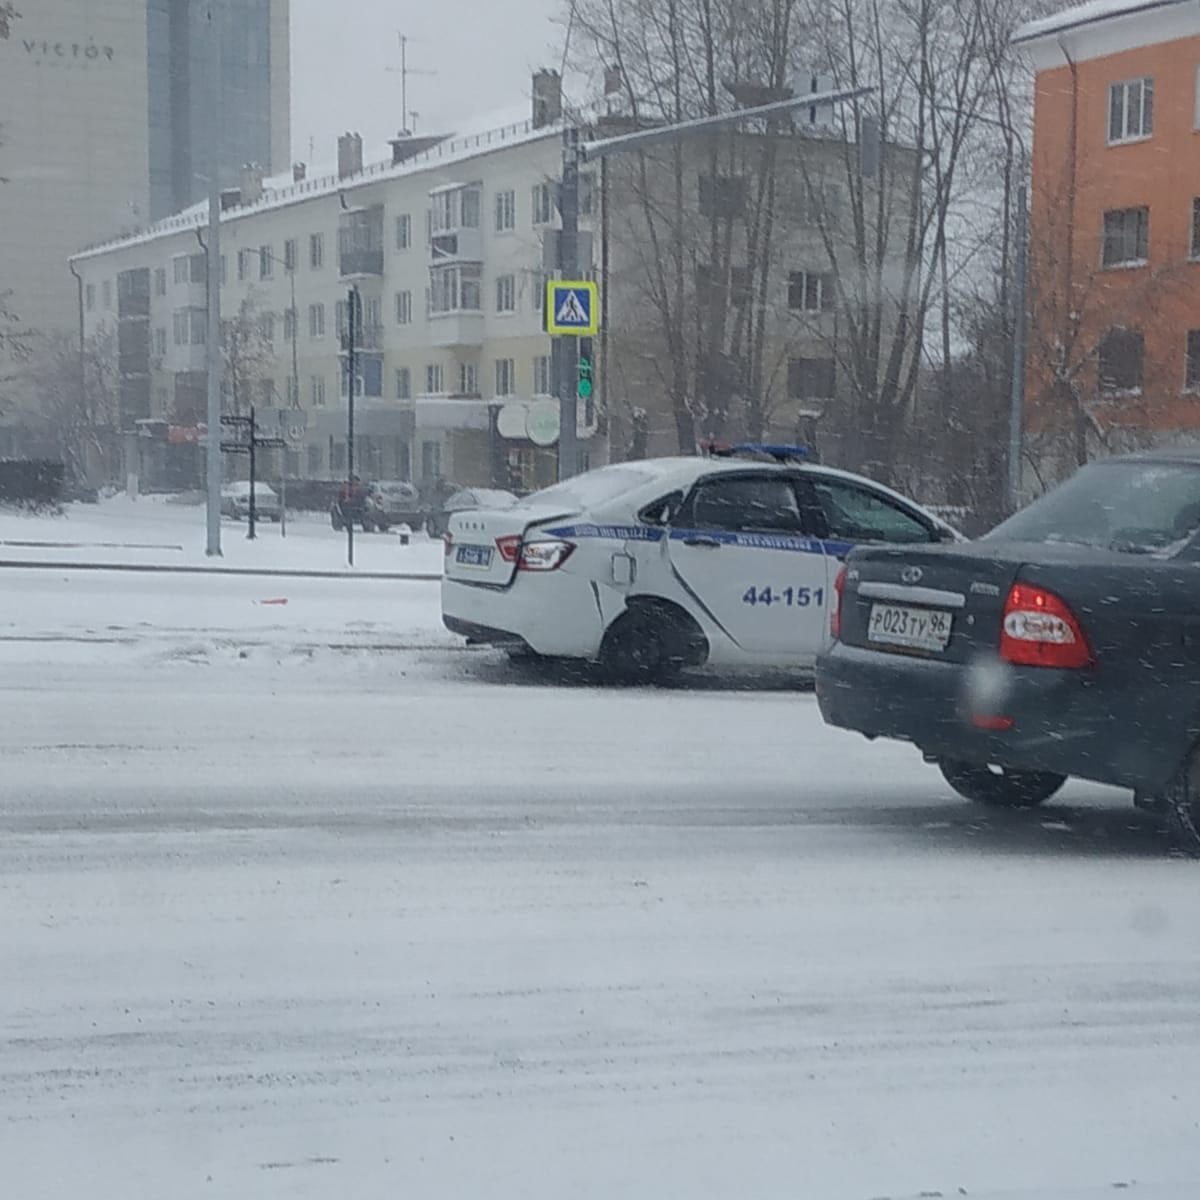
482, 50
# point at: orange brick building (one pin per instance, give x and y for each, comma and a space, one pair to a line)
1114, 305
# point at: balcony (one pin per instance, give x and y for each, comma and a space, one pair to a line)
360, 243
357, 263
462, 245
463, 327
368, 337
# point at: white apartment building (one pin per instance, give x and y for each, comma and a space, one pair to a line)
444, 246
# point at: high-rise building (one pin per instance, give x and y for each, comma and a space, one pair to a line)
104, 121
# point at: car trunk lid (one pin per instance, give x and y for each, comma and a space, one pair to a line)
476, 546
943, 602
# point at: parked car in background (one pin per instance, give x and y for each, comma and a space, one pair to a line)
437, 521
394, 502
235, 501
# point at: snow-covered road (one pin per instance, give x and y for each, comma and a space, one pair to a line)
279, 919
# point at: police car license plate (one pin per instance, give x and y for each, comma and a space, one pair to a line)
473, 556
915, 628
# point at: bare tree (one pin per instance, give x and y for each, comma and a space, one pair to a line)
248, 354
74, 395
693, 222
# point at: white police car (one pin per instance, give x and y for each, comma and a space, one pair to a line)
647, 567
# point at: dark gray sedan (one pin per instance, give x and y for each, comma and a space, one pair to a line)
1065, 642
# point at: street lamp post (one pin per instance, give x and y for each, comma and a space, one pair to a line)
295, 388
212, 349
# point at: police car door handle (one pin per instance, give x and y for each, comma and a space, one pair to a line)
707, 542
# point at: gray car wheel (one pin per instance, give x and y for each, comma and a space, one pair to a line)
1182, 807
998, 786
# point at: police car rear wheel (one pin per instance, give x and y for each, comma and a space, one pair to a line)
642, 647
998, 786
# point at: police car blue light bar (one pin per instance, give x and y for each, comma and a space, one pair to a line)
777, 451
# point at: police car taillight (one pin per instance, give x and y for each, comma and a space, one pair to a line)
534, 556
835, 613
544, 556
509, 547
1039, 629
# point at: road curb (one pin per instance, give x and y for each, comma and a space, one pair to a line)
250, 572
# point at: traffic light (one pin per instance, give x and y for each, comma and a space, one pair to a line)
584, 379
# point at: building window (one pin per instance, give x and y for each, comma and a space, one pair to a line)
540, 282
243, 261
454, 289
1191, 380
266, 326
289, 254
542, 384
404, 308
1126, 236
293, 391
468, 379
266, 262
403, 383
810, 291
372, 312
431, 459
543, 204
160, 342
433, 379
587, 193
506, 211
289, 324
506, 293
106, 293
189, 326
504, 377
810, 378
316, 320
1130, 110
179, 268
89, 294
403, 231
1122, 355
316, 250
1196, 228
469, 202
317, 391
160, 281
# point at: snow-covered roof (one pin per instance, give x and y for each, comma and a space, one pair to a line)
1091, 13
280, 191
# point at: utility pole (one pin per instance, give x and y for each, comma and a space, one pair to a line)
212, 341
565, 350
351, 329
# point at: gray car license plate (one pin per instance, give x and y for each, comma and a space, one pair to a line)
915, 628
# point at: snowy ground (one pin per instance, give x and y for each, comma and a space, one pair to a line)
154, 530
293, 910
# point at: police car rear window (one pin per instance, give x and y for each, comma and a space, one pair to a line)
585, 491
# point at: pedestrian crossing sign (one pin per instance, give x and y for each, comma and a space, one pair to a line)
572, 307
